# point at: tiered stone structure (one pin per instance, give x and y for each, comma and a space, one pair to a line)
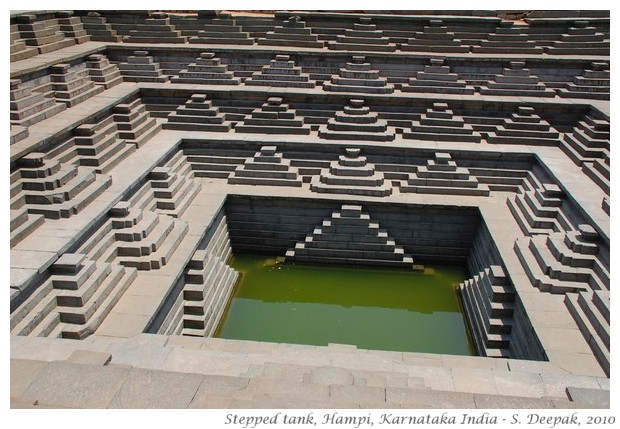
75, 300
209, 282
52, 189
222, 31
28, 108
539, 211
435, 37
589, 139
509, 36
350, 237
155, 29
173, 187
354, 122
18, 48
292, 32
140, 67
436, 77
524, 127
72, 27
102, 72
72, 85
281, 72
591, 311
134, 123
353, 175
580, 39
198, 114
273, 117
98, 28
439, 123
593, 83
267, 167
564, 262
357, 76
363, 37
488, 299
44, 35
442, 176
516, 80
207, 70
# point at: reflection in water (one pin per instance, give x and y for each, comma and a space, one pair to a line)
373, 308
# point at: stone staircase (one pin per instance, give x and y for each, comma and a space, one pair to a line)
589, 139
102, 72
234, 374
52, 189
509, 36
173, 186
591, 312
197, 114
273, 117
155, 29
72, 27
28, 108
516, 80
281, 72
45, 35
292, 32
435, 37
539, 211
214, 163
356, 122
135, 125
442, 176
488, 301
439, 123
357, 76
266, 168
580, 39
593, 83
207, 70
141, 67
564, 262
78, 294
352, 175
437, 78
23, 224
363, 37
220, 31
99, 29
524, 127
350, 237
72, 85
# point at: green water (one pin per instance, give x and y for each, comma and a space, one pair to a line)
372, 308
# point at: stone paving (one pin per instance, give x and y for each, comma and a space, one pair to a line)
147, 147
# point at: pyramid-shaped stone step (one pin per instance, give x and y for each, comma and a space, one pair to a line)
99, 29
353, 175
45, 34
591, 312
206, 293
281, 72
357, 76
207, 70
155, 29
214, 163
363, 37
267, 167
439, 123
435, 37
157, 248
516, 80
102, 72
590, 139
539, 211
367, 243
197, 114
580, 39
141, 67
509, 36
72, 85
173, 191
97, 145
221, 31
135, 125
436, 77
442, 176
28, 108
72, 27
356, 122
593, 83
292, 32
524, 127
273, 117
